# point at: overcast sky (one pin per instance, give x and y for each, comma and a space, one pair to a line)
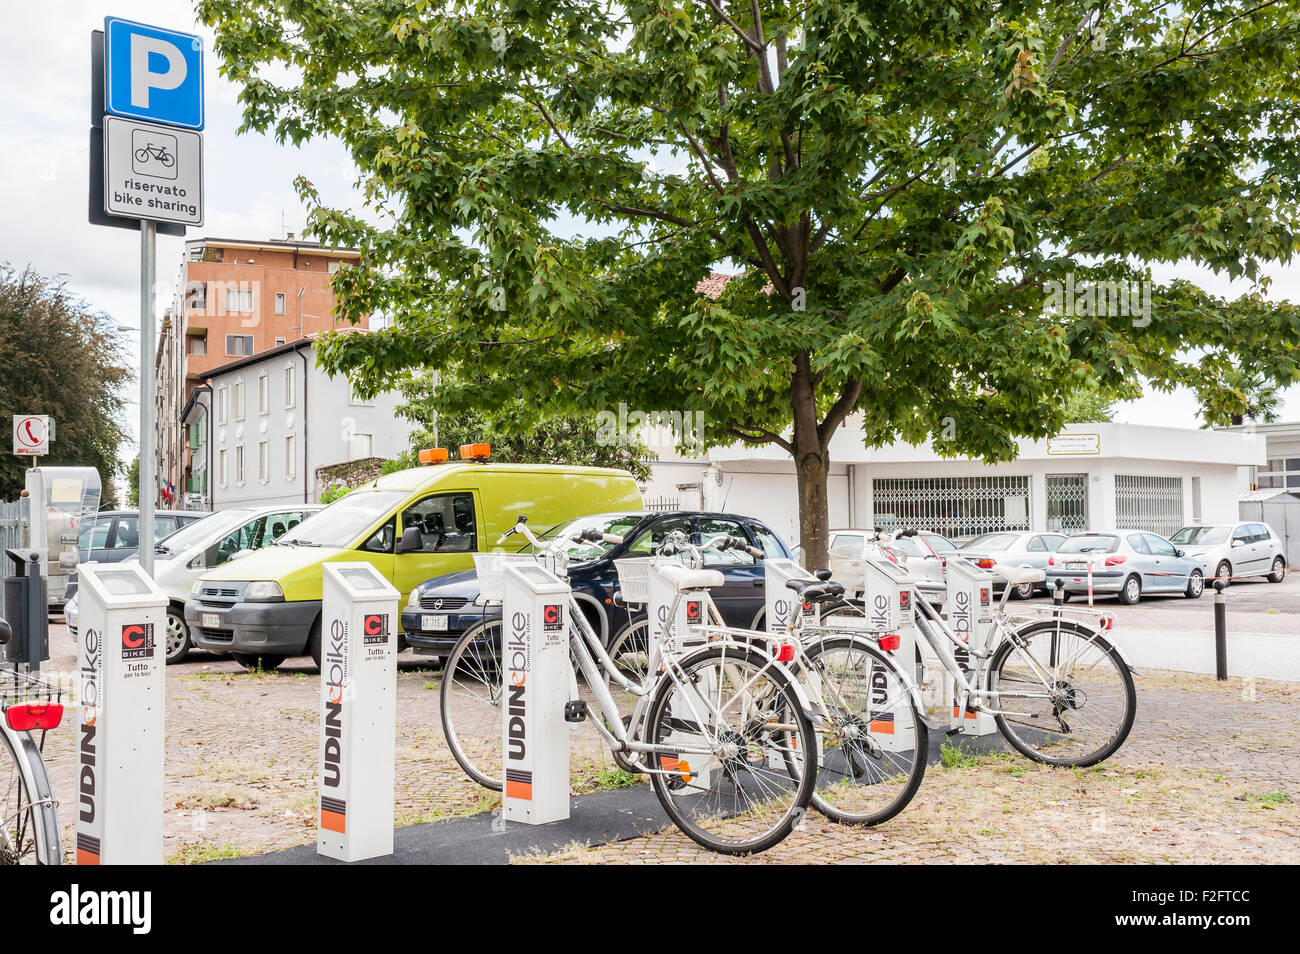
44, 129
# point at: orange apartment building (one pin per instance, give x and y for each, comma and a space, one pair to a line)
234, 298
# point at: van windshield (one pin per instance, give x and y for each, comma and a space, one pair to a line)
344, 520
201, 531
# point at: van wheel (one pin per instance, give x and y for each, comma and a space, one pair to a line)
178, 637
1131, 591
313, 642
254, 661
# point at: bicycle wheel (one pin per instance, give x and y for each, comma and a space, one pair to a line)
741, 795
630, 652
1064, 694
470, 703
873, 742
18, 816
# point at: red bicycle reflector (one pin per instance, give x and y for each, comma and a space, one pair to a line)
34, 715
784, 653
1107, 622
891, 642
1115, 560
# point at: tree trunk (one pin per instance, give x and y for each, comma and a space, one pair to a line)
812, 467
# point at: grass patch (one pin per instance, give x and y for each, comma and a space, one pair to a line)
957, 756
1267, 799
200, 852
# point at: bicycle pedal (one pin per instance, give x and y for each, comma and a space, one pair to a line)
575, 711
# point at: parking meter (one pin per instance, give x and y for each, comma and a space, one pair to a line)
121, 646
889, 601
537, 677
969, 608
25, 610
358, 712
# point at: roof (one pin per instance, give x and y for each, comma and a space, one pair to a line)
420, 478
1269, 494
297, 345
277, 244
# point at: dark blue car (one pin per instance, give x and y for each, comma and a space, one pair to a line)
443, 608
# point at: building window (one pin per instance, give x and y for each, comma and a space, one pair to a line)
278, 342
290, 460
199, 344
239, 465
239, 344
263, 461
239, 300
222, 473
237, 399
263, 394
202, 253
1067, 501
1148, 503
198, 297
223, 407
290, 386
279, 303
360, 446
952, 506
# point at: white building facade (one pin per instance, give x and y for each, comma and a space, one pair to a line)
267, 422
1090, 476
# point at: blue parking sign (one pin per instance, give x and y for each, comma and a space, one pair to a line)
153, 74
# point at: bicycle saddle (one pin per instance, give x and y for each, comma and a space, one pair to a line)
685, 579
815, 591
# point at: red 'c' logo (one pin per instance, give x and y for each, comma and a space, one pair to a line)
693, 610
374, 625
132, 637
551, 614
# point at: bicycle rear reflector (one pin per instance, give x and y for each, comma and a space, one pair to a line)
891, 642
27, 716
475, 451
433, 455
784, 652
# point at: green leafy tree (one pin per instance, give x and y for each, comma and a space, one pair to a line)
517, 437
1257, 401
133, 484
61, 359
942, 213
1089, 403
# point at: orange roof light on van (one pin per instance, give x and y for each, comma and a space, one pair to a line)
433, 455
475, 451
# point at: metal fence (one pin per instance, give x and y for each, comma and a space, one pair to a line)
663, 503
13, 525
1067, 502
952, 506
1148, 503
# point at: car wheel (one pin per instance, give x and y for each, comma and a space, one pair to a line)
1279, 571
255, 661
313, 643
1224, 572
1195, 585
178, 638
1025, 591
1131, 591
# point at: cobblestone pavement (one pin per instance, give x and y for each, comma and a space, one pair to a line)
1211, 774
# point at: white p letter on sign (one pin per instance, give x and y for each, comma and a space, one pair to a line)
143, 79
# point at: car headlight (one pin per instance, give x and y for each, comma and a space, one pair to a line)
194, 590
263, 591
415, 597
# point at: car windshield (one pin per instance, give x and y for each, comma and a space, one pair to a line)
1201, 535
942, 544
344, 520
990, 541
1090, 543
618, 524
201, 531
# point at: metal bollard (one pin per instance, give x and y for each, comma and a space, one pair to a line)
1220, 631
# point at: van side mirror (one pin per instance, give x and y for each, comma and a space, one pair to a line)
412, 541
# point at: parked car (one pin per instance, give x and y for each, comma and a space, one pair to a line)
1012, 548
1235, 550
114, 535
1127, 563
440, 610
923, 555
410, 525
183, 557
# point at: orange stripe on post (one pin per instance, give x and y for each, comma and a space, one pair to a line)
520, 790
884, 728
333, 821
86, 857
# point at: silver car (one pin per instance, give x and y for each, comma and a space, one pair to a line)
1012, 548
1235, 550
1127, 563
924, 556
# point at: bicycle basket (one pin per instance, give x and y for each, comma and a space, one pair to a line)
19, 687
634, 580
491, 577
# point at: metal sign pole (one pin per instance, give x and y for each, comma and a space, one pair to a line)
148, 252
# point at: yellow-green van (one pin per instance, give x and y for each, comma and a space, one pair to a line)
411, 525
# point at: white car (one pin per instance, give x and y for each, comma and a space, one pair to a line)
1233, 550
187, 554
924, 556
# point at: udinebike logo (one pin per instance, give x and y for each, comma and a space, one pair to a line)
552, 617
878, 613
960, 617
137, 641
88, 844
333, 810
517, 669
882, 716
694, 611
780, 612
375, 627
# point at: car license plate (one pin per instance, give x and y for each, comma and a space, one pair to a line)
211, 620
437, 624
1076, 566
